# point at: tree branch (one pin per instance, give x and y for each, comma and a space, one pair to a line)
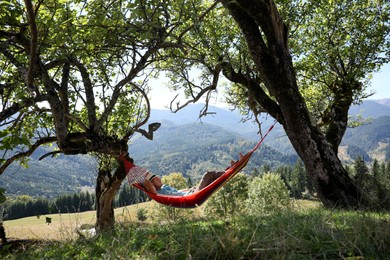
256, 44
27, 153
16, 107
63, 90
21, 69
55, 105
33, 46
49, 154
200, 18
141, 64
131, 132
90, 98
256, 91
207, 90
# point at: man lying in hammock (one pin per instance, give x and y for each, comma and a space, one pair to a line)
153, 183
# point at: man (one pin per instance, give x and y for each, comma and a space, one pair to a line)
153, 183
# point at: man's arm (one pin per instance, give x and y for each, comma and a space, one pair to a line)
149, 186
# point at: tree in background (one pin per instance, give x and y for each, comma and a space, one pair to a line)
298, 180
175, 179
129, 195
373, 181
360, 168
267, 194
230, 199
382, 182
304, 63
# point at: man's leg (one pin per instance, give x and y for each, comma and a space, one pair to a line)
208, 178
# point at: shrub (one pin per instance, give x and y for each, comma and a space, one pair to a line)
142, 214
267, 194
230, 199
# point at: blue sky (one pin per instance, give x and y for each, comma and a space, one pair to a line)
381, 83
161, 95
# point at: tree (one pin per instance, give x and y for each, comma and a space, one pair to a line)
65, 80
175, 179
360, 168
375, 171
130, 195
230, 199
304, 63
298, 180
75, 74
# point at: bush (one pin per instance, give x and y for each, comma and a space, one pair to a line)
229, 200
267, 194
142, 214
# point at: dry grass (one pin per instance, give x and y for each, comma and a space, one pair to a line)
63, 226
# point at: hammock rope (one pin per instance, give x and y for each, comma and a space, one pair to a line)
136, 175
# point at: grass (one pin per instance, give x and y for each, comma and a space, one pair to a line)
63, 226
305, 232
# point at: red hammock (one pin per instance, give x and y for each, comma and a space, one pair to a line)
197, 198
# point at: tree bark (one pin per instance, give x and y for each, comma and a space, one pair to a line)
107, 186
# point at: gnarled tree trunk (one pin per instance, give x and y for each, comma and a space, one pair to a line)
266, 36
107, 186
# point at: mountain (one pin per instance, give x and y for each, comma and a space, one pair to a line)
384, 101
372, 108
277, 139
222, 117
50, 177
370, 141
195, 148
190, 149
191, 146
232, 120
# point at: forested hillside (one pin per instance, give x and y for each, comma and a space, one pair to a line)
370, 141
50, 177
357, 141
191, 147
195, 148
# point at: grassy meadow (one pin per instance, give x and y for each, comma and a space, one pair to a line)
63, 226
306, 231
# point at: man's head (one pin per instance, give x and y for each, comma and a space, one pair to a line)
154, 180
150, 176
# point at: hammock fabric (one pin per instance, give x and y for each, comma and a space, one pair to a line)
197, 198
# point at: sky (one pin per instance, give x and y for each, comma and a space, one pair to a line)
161, 95
381, 83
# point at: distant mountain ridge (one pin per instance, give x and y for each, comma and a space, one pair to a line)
372, 108
232, 120
191, 146
197, 147
383, 101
